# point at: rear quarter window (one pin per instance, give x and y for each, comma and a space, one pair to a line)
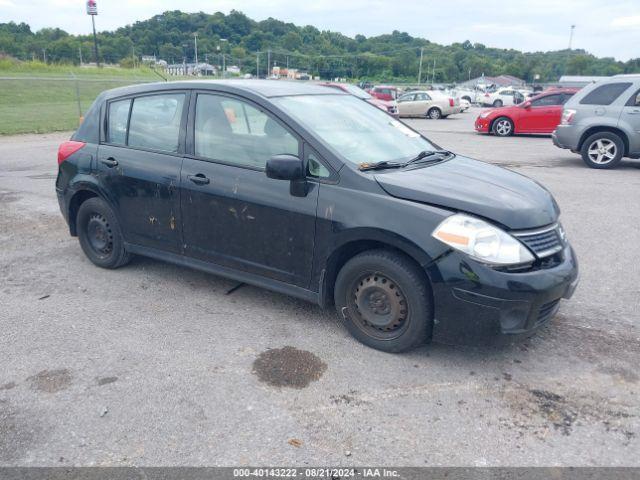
605, 94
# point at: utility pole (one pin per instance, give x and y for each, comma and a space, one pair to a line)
133, 55
80, 54
573, 27
287, 63
257, 64
195, 46
224, 65
268, 62
420, 66
433, 76
44, 55
95, 40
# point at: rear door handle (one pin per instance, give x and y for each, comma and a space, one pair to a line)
109, 162
198, 179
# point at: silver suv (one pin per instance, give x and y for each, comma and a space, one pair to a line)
602, 122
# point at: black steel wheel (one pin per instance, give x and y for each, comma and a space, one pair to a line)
100, 235
385, 300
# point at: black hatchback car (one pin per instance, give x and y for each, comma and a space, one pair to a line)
314, 193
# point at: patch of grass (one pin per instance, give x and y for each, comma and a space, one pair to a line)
39, 98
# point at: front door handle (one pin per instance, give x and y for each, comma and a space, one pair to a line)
109, 162
198, 179
634, 112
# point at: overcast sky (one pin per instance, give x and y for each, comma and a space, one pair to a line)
608, 28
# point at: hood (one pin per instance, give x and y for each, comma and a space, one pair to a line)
475, 187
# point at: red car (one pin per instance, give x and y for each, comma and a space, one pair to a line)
540, 114
384, 92
391, 107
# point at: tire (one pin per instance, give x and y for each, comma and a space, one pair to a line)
467, 98
602, 150
385, 301
502, 127
100, 235
434, 113
498, 103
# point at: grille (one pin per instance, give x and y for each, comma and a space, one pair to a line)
542, 242
547, 311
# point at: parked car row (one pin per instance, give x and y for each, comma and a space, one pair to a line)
601, 122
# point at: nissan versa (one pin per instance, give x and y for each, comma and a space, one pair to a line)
314, 193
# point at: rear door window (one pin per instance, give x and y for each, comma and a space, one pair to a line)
605, 94
155, 122
118, 117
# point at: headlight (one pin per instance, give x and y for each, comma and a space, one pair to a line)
485, 114
481, 241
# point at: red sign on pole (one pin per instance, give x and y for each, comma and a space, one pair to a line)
92, 7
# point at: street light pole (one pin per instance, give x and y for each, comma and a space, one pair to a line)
420, 67
571, 35
95, 40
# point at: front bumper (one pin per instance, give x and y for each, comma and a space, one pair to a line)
477, 304
482, 125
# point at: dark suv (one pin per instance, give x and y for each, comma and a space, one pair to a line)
311, 192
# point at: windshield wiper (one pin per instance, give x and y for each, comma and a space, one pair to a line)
433, 155
380, 165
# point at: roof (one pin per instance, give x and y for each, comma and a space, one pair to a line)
264, 88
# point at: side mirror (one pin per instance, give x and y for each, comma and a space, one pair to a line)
285, 167
288, 167
526, 105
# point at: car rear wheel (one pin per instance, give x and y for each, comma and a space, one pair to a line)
502, 127
602, 150
385, 301
498, 103
100, 235
434, 113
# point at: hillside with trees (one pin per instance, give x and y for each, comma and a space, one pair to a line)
394, 56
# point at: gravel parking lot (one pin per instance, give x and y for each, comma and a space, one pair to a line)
155, 364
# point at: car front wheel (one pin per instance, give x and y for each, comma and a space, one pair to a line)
602, 150
100, 235
498, 103
502, 127
385, 301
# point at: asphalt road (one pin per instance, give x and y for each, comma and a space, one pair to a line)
154, 364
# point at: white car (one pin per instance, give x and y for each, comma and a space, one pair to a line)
468, 94
432, 104
501, 97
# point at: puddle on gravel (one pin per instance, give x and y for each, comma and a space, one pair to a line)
51, 381
288, 367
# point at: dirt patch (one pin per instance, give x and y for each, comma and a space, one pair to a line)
16, 435
8, 386
9, 197
106, 380
350, 398
51, 381
288, 367
540, 411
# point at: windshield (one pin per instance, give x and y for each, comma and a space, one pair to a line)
358, 131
